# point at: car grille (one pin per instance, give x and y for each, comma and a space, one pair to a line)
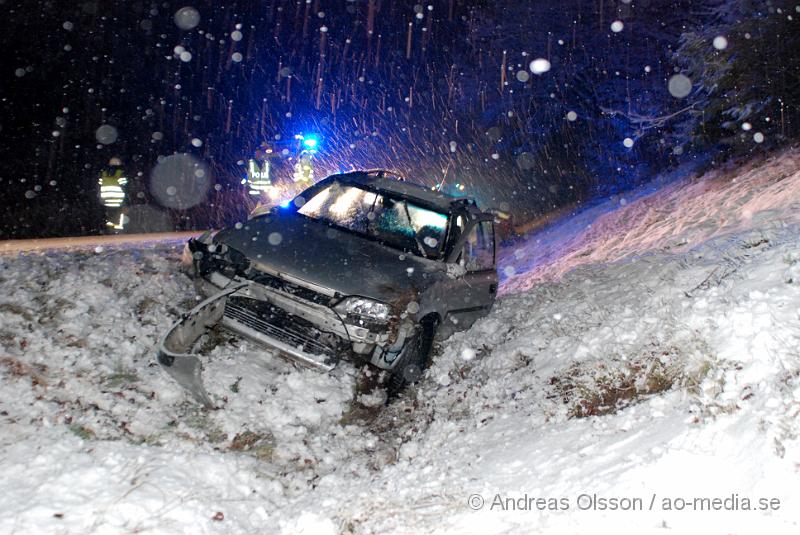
276, 283
277, 324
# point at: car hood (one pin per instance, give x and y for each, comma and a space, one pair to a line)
326, 256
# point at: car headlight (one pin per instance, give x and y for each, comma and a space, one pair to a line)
367, 308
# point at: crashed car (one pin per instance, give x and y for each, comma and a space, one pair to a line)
362, 265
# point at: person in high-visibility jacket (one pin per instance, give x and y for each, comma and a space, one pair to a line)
304, 170
258, 177
112, 195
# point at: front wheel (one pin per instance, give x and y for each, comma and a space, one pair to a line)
414, 358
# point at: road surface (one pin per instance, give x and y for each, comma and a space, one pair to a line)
84, 242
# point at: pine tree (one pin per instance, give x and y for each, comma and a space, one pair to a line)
746, 74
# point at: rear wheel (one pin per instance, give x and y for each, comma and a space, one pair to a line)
414, 358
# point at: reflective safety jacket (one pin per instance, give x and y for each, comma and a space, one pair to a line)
111, 193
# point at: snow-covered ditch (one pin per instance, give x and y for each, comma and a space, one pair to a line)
662, 377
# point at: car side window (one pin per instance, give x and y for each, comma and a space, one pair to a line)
479, 247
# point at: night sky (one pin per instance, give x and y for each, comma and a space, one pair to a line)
529, 106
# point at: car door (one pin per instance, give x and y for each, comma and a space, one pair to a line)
479, 261
472, 293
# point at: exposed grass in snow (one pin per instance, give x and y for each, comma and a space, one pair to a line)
597, 388
657, 353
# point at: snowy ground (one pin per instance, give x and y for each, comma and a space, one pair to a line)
654, 356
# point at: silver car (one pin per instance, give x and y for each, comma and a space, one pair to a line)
362, 265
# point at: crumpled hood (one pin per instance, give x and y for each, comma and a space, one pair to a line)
344, 262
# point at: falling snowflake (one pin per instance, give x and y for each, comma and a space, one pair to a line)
540, 66
106, 134
187, 18
679, 86
720, 42
467, 353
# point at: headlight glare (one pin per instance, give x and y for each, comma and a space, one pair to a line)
360, 306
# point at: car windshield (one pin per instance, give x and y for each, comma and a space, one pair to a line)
393, 221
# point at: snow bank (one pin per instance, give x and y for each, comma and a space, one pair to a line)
653, 361
674, 218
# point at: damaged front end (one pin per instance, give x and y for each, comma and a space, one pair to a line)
306, 323
174, 350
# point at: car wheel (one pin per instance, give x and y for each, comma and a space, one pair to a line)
414, 358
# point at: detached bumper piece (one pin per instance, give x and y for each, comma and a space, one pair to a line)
236, 310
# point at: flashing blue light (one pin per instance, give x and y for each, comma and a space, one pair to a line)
286, 203
310, 142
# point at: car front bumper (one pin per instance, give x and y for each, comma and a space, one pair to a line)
304, 332
322, 317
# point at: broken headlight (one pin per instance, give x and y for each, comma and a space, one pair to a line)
361, 307
208, 256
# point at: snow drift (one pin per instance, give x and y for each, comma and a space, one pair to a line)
651, 356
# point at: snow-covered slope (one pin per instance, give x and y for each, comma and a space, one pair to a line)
673, 218
653, 356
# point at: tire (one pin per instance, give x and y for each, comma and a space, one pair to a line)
414, 358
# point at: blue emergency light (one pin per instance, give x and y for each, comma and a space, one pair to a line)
310, 142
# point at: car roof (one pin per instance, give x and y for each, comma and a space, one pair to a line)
394, 183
